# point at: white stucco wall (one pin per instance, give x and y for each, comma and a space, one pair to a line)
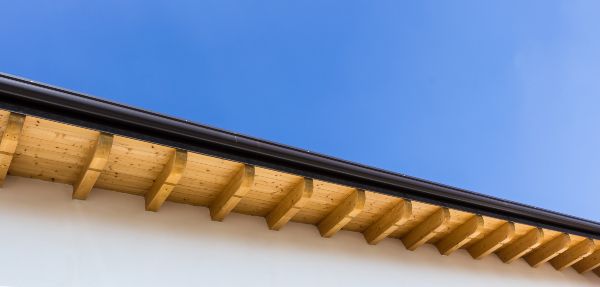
47, 239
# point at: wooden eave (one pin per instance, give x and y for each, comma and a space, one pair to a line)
59, 152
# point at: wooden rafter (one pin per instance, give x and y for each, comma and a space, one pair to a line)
291, 204
549, 250
96, 163
588, 263
521, 246
493, 241
460, 235
166, 181
50, 150
389, 222
426, 229
9, 142
573, 254
343, 213
238, 187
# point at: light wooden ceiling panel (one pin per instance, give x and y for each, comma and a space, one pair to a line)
58, 152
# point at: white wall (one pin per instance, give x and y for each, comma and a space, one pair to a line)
47, 239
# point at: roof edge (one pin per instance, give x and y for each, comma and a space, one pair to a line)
41, 100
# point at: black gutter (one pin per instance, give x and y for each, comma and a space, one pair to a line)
31, 98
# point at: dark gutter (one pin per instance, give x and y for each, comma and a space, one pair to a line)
31, 98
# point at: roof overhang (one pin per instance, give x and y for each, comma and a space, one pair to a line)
28, 97
446, 216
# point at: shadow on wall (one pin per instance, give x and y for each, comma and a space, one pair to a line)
110, 240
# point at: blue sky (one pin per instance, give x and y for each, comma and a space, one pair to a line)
499, 97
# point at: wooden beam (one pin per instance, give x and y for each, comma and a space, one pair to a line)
493, 241
389, 222
343, 213
166, 181
96, 163
238, 187
9, 142
426, 229
290, 205
597, 271
549, 250
521, 246
588, 263
573, 254
460, 235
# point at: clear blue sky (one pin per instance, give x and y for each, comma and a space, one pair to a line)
500, 97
